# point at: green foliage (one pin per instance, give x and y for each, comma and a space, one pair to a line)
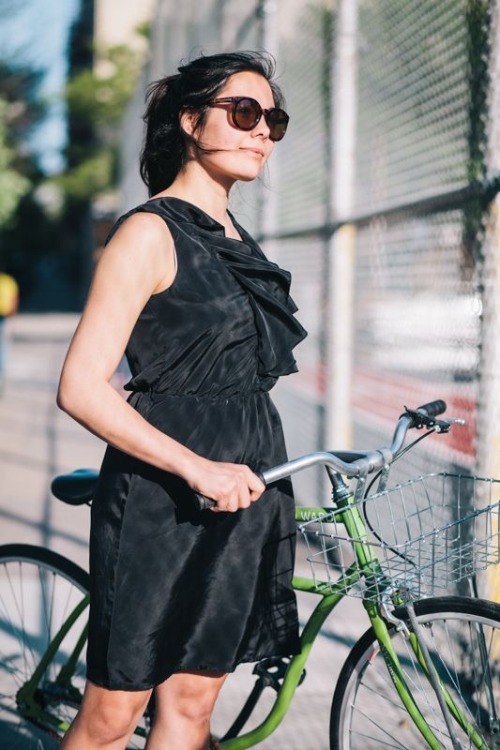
91, 176
100, 96
19, 89
20, 110
13, 184
96, 102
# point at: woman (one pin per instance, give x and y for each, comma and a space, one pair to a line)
181, 596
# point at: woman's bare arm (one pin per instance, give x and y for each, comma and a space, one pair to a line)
139, 261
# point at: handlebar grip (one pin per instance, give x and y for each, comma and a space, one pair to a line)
205, 503
433, 408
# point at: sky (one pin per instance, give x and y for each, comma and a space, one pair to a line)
36, 32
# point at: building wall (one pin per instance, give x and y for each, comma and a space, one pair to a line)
115, 21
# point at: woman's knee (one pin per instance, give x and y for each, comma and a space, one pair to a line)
110, 715
190, 695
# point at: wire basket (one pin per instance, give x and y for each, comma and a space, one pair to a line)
428, 534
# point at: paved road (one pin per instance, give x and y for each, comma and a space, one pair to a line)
37, 441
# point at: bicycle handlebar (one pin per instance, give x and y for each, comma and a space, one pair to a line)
355, 463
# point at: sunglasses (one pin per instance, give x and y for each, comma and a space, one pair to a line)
247, 112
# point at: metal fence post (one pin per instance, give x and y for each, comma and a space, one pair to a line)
339, 322
488, 430
268, 12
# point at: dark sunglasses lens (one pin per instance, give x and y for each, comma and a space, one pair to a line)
246, 113
277, 120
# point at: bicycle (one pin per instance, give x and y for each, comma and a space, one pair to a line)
426, 673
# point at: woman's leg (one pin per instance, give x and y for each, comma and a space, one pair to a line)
184, 705
106, 719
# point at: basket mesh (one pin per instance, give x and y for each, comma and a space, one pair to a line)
428, 534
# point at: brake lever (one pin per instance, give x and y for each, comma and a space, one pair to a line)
444, 425
420, 420
441, 425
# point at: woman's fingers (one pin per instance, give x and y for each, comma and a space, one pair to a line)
256, 486
235, 494
231, 486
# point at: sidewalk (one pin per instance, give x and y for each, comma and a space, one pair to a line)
38, 441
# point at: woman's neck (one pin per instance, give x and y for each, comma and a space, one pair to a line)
201, 190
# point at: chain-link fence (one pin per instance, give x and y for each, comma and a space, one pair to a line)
381, 201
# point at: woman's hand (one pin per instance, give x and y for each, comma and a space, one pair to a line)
230, 486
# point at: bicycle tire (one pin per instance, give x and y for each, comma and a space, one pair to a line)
367, 712
39, 589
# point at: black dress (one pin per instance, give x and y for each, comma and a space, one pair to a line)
174, 588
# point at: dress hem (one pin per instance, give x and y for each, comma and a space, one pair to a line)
199, 670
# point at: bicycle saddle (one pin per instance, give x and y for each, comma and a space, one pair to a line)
75, 488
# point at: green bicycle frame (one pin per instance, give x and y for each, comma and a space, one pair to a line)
328, 602
366, 564
28, 705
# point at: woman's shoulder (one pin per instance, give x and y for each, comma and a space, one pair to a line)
142, 218
143, 242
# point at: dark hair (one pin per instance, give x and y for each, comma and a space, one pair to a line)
192, 88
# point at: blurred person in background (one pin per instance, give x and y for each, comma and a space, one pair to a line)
180, 596
9, 303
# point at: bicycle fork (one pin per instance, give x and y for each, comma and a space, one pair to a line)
434, 678
370, 565
488, 682
449, 709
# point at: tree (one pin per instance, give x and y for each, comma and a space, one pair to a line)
48, 242
96, 99
13, 184
20, 110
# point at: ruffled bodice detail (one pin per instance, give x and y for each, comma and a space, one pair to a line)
227, 323
268, 288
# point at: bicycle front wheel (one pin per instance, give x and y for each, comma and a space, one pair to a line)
463, 639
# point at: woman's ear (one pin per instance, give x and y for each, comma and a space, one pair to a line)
187, 122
